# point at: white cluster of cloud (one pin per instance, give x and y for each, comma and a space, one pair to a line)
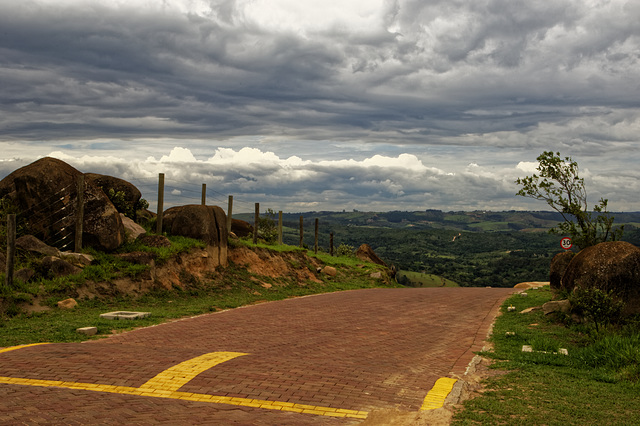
374, 183
433, 104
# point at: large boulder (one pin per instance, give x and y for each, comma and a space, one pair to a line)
131, 194
241, 228
611, 266
366, 253
559, 265
206, 223
45, 193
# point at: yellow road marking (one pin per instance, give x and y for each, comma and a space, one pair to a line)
188, 396
13, 348
177, 376
167, 383
436, 396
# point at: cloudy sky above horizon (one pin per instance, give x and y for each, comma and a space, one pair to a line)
342, 104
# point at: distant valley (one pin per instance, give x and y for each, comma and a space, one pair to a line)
477, 248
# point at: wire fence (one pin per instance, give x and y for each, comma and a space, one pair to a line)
55, 214
180, 193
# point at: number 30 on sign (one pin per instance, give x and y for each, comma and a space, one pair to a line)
566, 243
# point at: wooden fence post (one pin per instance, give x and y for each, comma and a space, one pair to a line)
79, 214
204, 194
11, 250
160, 203
255, 224
280, 227
331, 243
229, 210
301, 232
315, 245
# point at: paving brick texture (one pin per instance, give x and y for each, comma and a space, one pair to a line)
355, 351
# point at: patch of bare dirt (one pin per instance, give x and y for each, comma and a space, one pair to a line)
441, 416
276, 265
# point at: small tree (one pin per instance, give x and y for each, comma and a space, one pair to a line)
563, 190
127, 208
345, 250
267, 228
596, 305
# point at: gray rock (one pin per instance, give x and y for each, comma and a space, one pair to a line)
59, 267
24, 275
34, 245
77, 259
131, 229
563, 306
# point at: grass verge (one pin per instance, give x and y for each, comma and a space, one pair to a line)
597, 383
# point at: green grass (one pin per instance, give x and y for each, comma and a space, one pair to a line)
490, 226
162, 254
419, 279
597, 383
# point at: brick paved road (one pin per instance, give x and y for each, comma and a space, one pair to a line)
344, 354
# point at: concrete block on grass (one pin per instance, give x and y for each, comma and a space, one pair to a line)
89, 331
125, 315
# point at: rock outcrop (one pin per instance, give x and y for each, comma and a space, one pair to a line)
611, 266
45, 193
206, 223
366, 253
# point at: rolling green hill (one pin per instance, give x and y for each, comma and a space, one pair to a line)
479, 248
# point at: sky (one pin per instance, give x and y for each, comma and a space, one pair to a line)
300, 105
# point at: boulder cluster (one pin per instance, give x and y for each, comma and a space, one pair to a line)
45, 195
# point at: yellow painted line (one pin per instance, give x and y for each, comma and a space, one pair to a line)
188, 396
179, 375
436, 396
166, 385
13, 348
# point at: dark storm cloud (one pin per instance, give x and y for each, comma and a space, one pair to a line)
136, 79
78, 69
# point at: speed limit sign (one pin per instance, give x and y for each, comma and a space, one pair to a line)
566, 243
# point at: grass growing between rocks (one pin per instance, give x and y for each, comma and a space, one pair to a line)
226, 288
598, 382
